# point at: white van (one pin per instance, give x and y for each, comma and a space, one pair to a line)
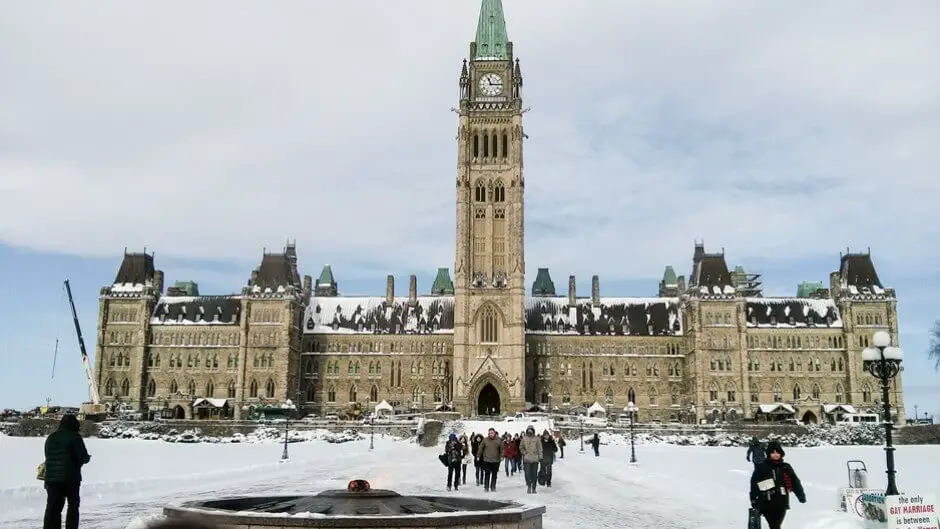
858, 418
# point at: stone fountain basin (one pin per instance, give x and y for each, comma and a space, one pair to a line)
360, 510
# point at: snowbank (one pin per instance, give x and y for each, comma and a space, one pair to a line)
263, 434
840, 435
501, 427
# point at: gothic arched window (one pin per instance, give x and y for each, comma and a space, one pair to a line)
489, 325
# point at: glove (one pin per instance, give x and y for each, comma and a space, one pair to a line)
802, 499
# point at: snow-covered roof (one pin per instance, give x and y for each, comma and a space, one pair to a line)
384, 405
778, 408
206, 402
612, 316
596, 408
839, 408
373, 315
792, 312
197, 310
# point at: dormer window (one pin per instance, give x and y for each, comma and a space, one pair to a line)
810, 320
773, 320
753, 320
792, 320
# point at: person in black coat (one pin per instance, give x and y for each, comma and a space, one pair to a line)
455, 453
549, 448
595, 443
771, 485
755, 452
65, 455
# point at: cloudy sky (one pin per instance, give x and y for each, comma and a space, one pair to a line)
207, 131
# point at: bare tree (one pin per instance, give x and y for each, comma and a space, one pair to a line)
934, 351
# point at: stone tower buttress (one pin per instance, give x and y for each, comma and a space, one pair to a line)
489, 334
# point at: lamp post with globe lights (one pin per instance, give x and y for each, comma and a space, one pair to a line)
883, 361
288, 406
372, 432
581, 431
631, 410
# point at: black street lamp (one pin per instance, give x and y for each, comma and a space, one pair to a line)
372, 432
581, 430
884, 363
288, 405
631, 410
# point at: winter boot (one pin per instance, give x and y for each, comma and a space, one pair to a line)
448, 488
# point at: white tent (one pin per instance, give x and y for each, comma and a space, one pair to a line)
596, 410
383, 408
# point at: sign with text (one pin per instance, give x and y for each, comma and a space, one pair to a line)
852, 500
911, 511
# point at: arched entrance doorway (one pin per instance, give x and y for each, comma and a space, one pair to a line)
179, 413
810, 418
488, 401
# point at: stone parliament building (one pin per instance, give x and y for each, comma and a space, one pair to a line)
704, 348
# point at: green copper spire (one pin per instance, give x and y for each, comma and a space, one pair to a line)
491, 38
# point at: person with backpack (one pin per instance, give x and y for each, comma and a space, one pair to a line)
771, 484
65, 456
755, 452
454, 451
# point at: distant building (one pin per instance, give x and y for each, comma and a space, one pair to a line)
710, 347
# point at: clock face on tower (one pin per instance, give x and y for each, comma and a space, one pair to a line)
491, 84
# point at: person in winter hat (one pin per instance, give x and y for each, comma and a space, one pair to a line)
530, 447
755, 452
509, 455
771, 484
454, 451
65, 456
477, 462
548, 458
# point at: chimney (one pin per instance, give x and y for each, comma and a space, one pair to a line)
572, 292
835, 285
390, 289
596, 290
413, 290
158, 281
308, 286
254, 278
681, 285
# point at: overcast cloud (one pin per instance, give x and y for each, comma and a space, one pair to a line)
211, 129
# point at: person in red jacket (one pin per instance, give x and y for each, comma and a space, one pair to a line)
509, 455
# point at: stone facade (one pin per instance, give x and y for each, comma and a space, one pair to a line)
710, 347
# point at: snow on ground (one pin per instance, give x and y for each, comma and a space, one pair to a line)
674, 487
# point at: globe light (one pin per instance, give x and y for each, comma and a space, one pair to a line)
894, 353
870, 355
881, 339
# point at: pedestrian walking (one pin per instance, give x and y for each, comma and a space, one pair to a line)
65, 455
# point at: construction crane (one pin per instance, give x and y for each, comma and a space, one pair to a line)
94, 409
